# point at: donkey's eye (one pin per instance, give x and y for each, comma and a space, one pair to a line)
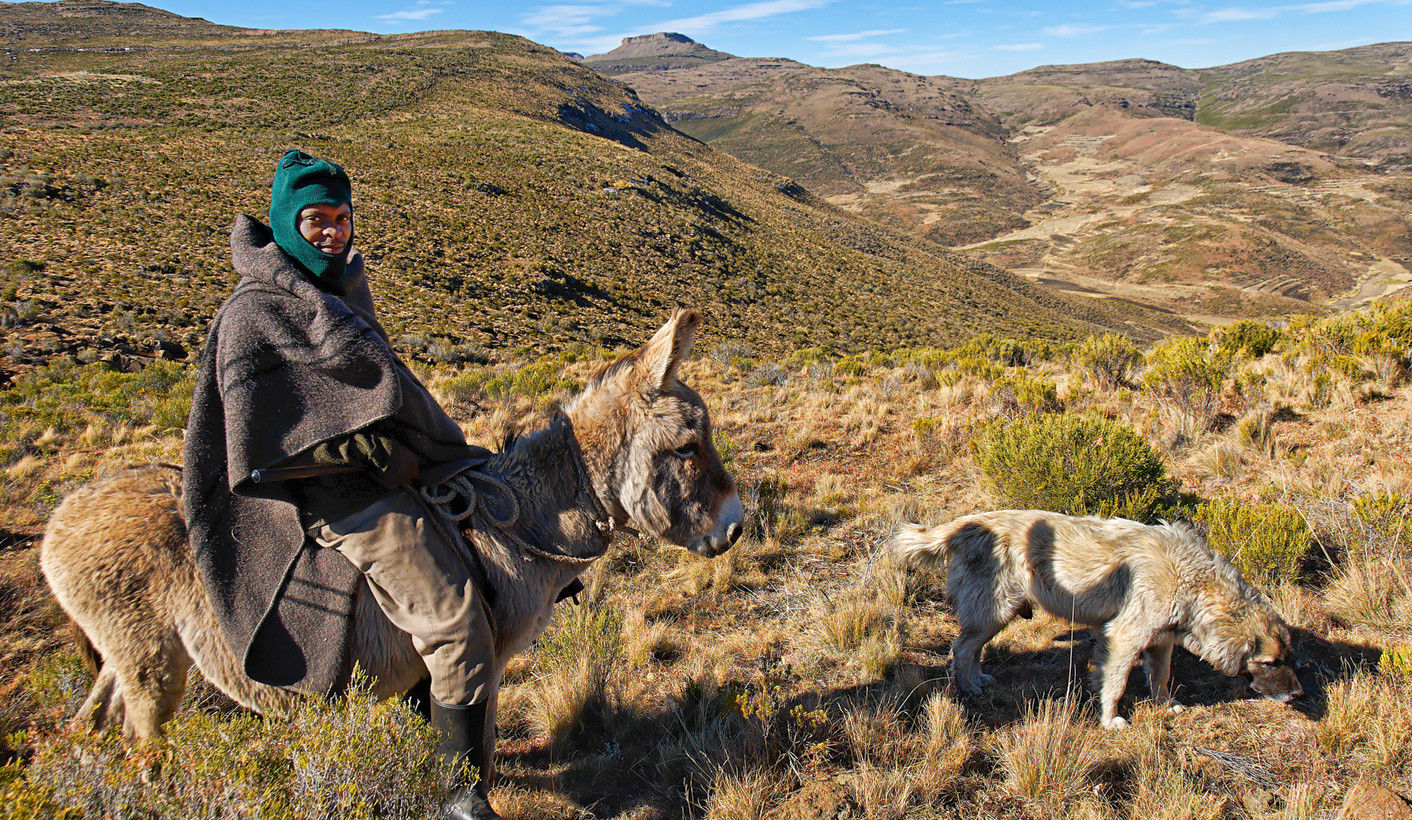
688, 450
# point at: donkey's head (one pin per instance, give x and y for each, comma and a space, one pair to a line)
646, 438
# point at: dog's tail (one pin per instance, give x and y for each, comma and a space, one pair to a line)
914, 544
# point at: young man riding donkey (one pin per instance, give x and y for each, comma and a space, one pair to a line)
318, 467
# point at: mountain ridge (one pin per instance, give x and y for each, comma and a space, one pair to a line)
1016, 167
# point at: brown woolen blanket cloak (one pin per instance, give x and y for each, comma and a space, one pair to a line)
285, 367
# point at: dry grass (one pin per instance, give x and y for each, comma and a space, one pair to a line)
1367, 727
1048, 756
803, 675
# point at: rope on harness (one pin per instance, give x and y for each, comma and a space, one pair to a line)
462, 487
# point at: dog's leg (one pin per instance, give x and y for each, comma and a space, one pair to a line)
1157, 660
966, 654
1119, 653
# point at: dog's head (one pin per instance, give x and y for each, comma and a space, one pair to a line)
1268, 661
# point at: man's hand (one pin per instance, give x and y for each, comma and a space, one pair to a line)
402, 466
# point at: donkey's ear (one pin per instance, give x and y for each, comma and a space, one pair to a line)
658, 359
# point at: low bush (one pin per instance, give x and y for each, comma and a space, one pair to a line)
1188, 374
1109, 359
67, 396
1073, 464
1266, 542
1246, 338
352, 756
1021, 393
1385, 520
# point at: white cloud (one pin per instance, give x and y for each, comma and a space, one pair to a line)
1073, 30
860, 35
1019, 47
860, 50
567, 20
1332, 5
1235, 15
929, 62
749, 11
423, 10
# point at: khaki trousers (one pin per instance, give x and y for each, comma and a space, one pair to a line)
424, 586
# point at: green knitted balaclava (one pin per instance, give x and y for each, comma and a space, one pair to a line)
301, 181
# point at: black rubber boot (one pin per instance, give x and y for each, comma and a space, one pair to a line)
462, 740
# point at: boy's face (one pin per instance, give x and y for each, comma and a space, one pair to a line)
327, 227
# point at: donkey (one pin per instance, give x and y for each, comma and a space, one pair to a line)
632, 450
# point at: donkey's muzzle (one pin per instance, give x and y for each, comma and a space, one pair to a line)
730, 523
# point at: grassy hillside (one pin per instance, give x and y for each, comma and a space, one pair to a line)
1355, 103
1203, 222
505, 195
1045, 95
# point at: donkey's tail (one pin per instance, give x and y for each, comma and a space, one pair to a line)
914, 544
87, 652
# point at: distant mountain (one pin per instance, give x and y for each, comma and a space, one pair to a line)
507, 199
655, 52
1130, 180
908, 151
1355, 103
1047, 94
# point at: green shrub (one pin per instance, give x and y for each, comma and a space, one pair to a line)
1187, 373
1072, 464
1266, 542
587, 633
68, 396
1347, 366
979, 367
1006, 352
1020, 392
1246, 338
1109, 358
1385, 519
851, 366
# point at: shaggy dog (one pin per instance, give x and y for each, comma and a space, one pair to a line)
1144, 587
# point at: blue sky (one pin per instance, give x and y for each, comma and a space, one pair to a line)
965, 38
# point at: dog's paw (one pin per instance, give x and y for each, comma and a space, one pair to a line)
974, 684
1175, 708
1118, 723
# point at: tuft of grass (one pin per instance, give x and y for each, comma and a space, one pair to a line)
862, 628
948, 744
1048, 756
574, 696
1366, 726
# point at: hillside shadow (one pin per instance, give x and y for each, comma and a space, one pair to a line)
607, 759
626, 127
